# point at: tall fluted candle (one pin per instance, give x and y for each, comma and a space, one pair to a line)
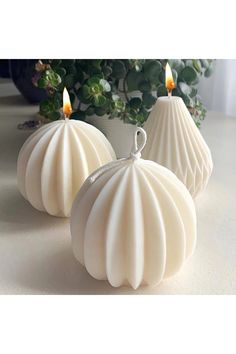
176, 143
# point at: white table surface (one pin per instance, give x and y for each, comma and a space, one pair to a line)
35, 249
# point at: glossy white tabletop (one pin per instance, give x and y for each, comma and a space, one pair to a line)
35, 249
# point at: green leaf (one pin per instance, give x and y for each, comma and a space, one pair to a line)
148, 99
193, 92
118, 69
93, 80
144, 112
117, 104
208, 72
46, 106
72, 97
188, 62
107, 70
135, 103
175, 76
205, 63
69, 81
71, 70
136, 64
84, 95
188, 74
115, 97
105, 85
152, 69
52, 77
100, 111
57, 100
134, 79
187, 100
60, 71
144, 86
79, 75
162, 77
185, 89
94, 70
54, 115
42, 83
197, 65
161, 90
176, 64
96, 89
196, 81
176, 92
100, 101
140, 118
85, 91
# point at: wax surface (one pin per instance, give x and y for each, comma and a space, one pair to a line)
133, 223
175, 142
54, 162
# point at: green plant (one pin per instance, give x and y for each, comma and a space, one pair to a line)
124, 88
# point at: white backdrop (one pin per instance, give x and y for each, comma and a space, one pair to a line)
219, 91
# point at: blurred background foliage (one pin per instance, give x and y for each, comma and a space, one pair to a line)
123, 88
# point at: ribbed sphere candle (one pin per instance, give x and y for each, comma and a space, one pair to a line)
54, 162
175, 142
133, 222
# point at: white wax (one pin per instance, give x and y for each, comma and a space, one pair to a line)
133, 222
54, 162
175, 142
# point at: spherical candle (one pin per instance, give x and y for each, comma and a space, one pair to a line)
54, 162
176, 143
133, 222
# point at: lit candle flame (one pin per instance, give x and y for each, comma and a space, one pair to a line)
170, 84
67, 109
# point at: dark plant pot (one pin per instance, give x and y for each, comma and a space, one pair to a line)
4, 68
22, 71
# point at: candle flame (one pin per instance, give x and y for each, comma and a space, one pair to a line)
67, 109
170, 84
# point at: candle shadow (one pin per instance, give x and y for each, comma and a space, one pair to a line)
18, 216
59, 273
10, 146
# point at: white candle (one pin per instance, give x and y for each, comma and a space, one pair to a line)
54, 162
175, 142
133, 222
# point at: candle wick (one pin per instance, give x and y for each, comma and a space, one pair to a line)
169, 93
136, 151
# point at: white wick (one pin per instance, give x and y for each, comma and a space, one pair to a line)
134, 154
136, 151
